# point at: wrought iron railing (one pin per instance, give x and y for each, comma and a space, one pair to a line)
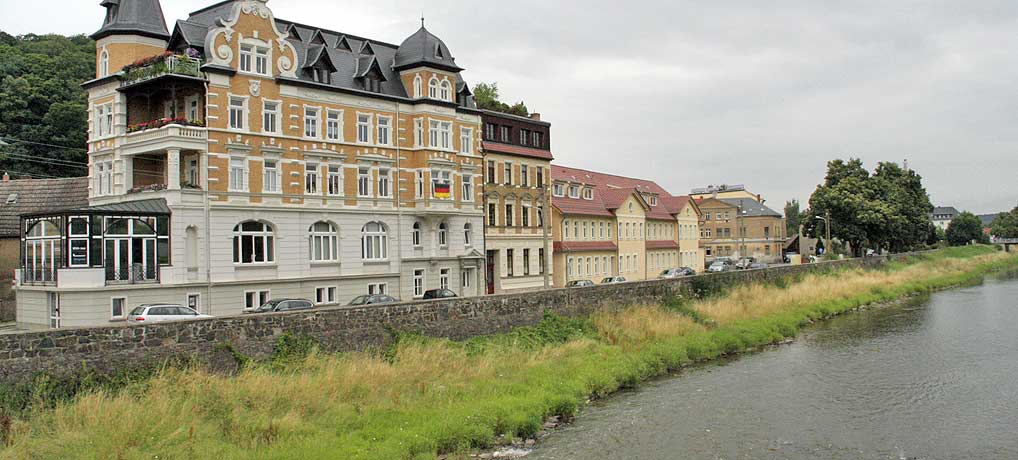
134, 274
39, 274
175, 64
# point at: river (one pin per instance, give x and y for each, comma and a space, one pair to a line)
935, 378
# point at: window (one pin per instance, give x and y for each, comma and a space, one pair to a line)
491, 172
191, 105
270, 117
492, 218
443, 278
588, 194
509, 262
507, 174
104, 120
104, 177
374, 241
334, 125
419, 132
335, 186
418, 87
569, 267
384, 130
540, 216
311, 179
538, 141
311, 122
253, 243
441, 184
445, 135
524, 136
238, 172
489, 131
574, 191
415, 234
378, 288
118, 308
466, 140
419, 184
526, 262
418, 283
325, 295
446, 93
104, 64
255, 299
443, 234
509, 215
260, 56
540, 177
363, 128
238, 106
433, 127
261, 60
541, 263
246, 57
524, 176
467, 275
433, 88
323, 242
384, 179
364, 182
525, 215
468, 187
504, 132
194, 302
468, 234
558, 190
270, 176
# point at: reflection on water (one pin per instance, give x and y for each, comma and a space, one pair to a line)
932, 379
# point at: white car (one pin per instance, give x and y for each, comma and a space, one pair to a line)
160, 313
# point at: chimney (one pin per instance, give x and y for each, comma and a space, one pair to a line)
7, 177
535, 116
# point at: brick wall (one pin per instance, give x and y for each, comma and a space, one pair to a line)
117, 348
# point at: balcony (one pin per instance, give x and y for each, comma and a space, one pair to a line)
161, 65
164, 134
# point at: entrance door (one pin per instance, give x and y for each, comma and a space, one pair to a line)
489, 278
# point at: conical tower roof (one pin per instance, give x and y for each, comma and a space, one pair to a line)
133, 17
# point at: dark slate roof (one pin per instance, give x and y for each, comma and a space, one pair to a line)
425, 49
945, 210
36, 196
153, 206
143, 17
752, 208
509, 149
350, 65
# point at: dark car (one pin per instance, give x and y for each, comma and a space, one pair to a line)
373, 299
613, 280
579, 283
279, 305
439, 294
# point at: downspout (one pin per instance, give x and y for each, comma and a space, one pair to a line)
399, 209
208, 212
546, 222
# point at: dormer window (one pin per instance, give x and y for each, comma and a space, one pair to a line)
588, 194
652, 200
558, 190
320, 75
372, 84
438, 52
574, 191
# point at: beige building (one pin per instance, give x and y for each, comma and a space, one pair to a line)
517, 171
242, 158
736, 228
606, 225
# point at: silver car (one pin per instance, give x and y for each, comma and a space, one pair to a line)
161, 313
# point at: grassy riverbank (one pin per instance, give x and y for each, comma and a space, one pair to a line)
423, 396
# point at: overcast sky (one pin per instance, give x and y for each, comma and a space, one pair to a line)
709, 92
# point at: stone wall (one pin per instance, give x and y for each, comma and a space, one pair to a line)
120, 348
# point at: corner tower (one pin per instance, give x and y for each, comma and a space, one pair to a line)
132, 29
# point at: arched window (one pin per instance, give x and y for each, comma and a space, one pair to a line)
374, 241
253, 243
443, 234
468, 234
323, 239
446, 91
433, 88
418, 87
415, 234
104, 63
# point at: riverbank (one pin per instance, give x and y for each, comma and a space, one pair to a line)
424, 397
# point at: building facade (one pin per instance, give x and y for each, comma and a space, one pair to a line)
943, 215
605, 225
736, 228
517, 172
243, 157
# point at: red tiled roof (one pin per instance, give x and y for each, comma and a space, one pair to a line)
516, 150
674, 204
610, 191
578, 246
666, 244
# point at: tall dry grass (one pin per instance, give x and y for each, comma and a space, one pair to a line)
641, 323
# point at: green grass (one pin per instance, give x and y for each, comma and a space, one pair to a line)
424, 397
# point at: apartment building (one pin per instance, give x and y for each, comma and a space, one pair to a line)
517, 171
242, 157
742, 227
608, 225
725, 191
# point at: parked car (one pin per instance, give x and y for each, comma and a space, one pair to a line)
744, 263
758, 266
720, 265
373, 299
613, 279
280, 305
579, 283
788, 257
673, 273
439, 294
160, 313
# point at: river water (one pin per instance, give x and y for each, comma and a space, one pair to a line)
936, 378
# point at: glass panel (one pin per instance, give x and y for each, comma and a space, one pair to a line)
117, 227
163, 226
164, 252
79, 227
143, 228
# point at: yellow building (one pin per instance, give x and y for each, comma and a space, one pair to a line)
606, 226
736, 228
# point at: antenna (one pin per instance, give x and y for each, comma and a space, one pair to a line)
422, 19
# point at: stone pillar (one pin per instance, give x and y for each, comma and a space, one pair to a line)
173, 169
127, 173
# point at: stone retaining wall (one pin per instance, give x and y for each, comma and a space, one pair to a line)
119, 348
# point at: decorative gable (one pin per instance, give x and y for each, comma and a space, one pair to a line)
343, 44
318, 38
222, 41
366, 49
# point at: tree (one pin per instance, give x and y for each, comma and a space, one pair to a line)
486, 96
793, 217
845, 196
907, 206
1005, 225
43, 109
964, 229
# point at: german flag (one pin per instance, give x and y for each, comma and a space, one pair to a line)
442, 190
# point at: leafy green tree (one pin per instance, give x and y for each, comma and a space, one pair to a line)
486, 96
845, 195
43, 109
964, 229
906, 206
1005, 225
793, 217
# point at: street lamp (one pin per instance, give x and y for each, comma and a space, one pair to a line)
827, 228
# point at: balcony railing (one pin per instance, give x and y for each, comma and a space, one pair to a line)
40, 274
163, 64
134, 274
